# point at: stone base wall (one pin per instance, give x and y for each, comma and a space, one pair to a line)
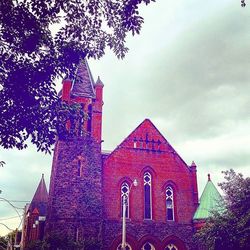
158, 234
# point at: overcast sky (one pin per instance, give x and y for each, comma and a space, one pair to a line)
188, 72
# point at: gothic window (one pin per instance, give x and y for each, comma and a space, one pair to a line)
148, 246
125, 195
128, 247
89, 118
147, 196
171, 247
170, 203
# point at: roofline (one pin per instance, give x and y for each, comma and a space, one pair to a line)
147, 119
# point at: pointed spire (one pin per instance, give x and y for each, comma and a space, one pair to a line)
193, 164
41, 194
208, 177
210, 200
40, 198
83, 84
99, 82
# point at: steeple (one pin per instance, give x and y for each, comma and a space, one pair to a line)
210, 200
83, 83
40, 198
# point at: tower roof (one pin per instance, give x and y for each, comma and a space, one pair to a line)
210, 200
99, 82
40, 198
83, 84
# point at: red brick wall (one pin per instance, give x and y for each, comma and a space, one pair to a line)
165, 166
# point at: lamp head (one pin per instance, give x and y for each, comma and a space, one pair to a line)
135, 182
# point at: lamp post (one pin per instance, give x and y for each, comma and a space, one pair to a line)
124, 203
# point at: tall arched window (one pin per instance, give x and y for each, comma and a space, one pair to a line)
170, 203
171, 247
125, 195
148, 246
147, 196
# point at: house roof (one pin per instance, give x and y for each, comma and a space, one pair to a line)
209, 201
83, 83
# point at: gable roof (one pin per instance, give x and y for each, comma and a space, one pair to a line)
150, 133
40, 198
210, 200
83, 83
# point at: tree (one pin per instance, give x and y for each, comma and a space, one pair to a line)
231, 228
243, 3
41, 40
3, 242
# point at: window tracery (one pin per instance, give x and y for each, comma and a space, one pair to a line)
125, 196
170, 203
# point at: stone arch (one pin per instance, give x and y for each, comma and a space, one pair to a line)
124, 179
148, 169
151, 239
129, 239
172, 239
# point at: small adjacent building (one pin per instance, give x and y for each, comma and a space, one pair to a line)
35, 216
211, 200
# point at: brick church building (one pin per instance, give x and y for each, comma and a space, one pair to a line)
88, 184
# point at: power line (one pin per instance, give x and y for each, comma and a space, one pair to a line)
9, 218
19, 201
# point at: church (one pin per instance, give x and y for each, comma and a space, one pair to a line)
143, 183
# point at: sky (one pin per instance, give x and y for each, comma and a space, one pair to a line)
188, 72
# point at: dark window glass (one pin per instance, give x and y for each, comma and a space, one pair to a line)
79, 166
147, 202
147, 196
147, 246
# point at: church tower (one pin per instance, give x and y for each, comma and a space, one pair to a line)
75, 197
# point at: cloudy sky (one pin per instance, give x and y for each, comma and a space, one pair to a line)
188, 72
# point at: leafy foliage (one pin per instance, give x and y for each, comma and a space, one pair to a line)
230, 229
243, 3
41, 40
3, 242
2, 163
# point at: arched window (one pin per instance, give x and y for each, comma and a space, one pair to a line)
147, 196
170, 203
148, 246
89, 125
128, 247
125, 195
171, 247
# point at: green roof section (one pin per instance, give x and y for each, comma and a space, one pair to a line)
209, 201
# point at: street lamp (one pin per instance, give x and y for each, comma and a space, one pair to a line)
124, 201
